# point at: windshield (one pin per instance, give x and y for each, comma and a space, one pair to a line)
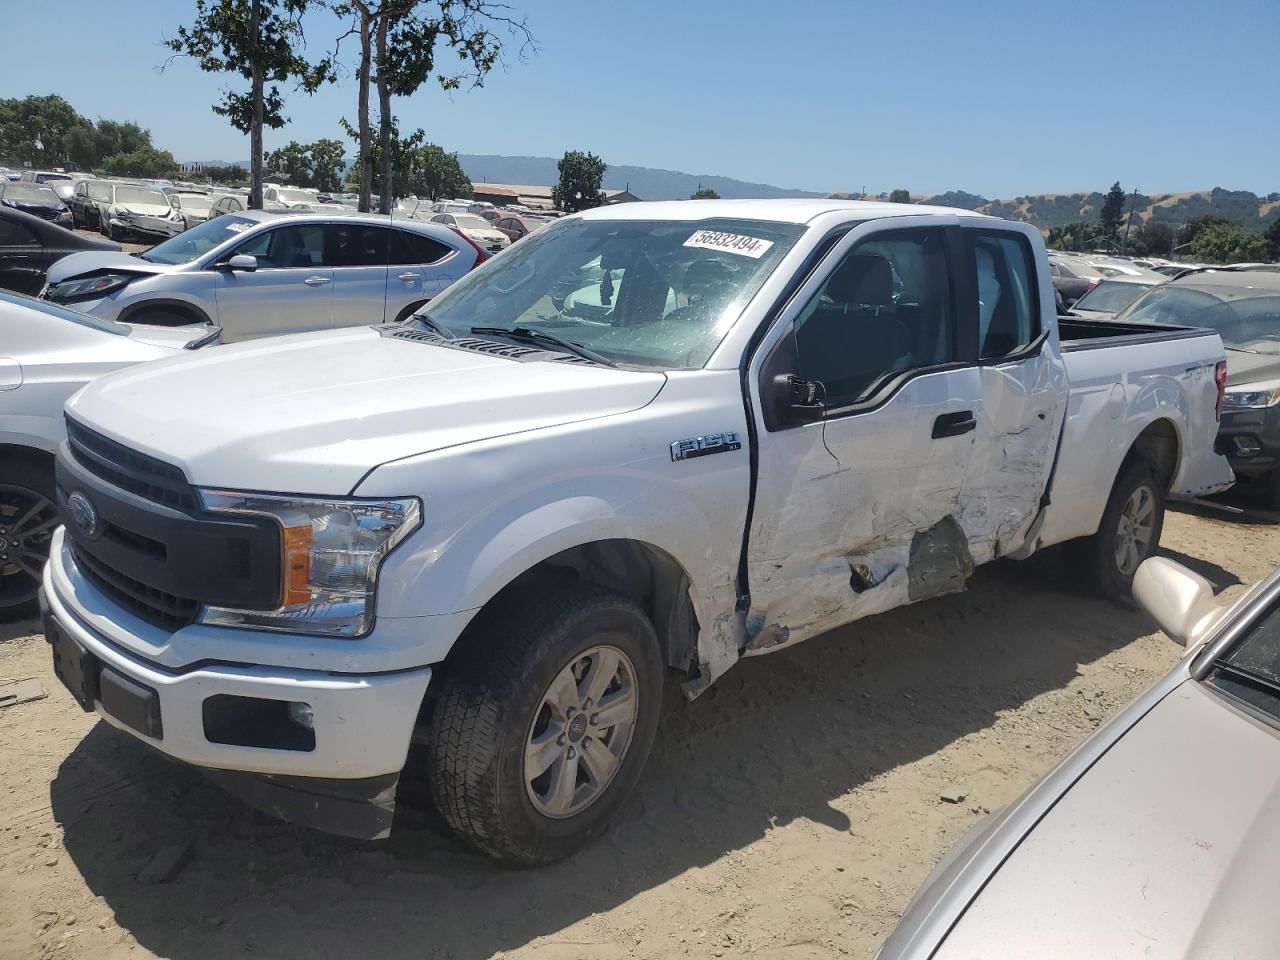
1245, 322
1110, 296
197, 241
470, 221
297, 196
28, 194
140, 195
62, 313
649, 293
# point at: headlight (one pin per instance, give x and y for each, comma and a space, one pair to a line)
88, 288
1261, 395
330, 554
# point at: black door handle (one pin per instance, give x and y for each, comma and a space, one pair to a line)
954, 424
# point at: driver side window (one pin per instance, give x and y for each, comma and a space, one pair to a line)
885, 309
297, 246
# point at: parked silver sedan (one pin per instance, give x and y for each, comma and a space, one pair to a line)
259, 274
1159, 836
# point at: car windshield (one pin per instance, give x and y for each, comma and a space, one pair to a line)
297, 196
1110, 296
1245, 321
469, 221
650, 293
197, 241
140, 195
62, 313
30, 194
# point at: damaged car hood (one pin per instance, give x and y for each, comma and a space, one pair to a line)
313, 413
106, 261
1164, 849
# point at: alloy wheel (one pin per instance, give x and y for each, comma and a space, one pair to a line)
27, 522
1136, 527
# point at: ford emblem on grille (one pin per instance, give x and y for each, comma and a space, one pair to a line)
82, 514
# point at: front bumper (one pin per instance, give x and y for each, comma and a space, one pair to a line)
1250, 439
361, 724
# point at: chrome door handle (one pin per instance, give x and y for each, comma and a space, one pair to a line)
315, 281
410, 276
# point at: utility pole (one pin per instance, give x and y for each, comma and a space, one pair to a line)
1133, 201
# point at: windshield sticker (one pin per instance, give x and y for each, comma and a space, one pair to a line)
743, 246
237, 227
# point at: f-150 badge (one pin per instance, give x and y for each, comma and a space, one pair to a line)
701, 446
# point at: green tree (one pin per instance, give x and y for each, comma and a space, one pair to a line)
1196, 224
704, 193
433, 173
292, 162
1229, 243
34, 129
145, 162
226, 175
900, 196
81, 143
261, 40
1152, 239
1112, 210
398, 42
327, 162
120, 137
1273, 238
1081, 235
579, 186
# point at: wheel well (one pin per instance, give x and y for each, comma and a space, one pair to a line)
411, 309
636, 570
14, 453
1158, 445
138, 312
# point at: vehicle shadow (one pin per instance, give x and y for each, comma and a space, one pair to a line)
1244, 505
777, 739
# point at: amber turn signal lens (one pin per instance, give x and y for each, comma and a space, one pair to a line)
296, 568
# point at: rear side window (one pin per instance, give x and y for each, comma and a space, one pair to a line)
16, 235
414, 248
1008, 308
358, 245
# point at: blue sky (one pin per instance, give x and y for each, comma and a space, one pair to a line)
998, 98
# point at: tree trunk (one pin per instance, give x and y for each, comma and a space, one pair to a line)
255, 123
366, 159
387, 194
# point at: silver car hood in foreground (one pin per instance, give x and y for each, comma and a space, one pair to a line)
89, 261
1167, 848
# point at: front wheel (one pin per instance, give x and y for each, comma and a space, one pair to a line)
543, 722
28, 518
1128, 534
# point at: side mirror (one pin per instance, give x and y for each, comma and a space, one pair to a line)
175, 202
798, 401
1181, 602
242, 261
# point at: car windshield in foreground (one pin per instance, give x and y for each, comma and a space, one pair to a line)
63, 313
141, 195
197, 241
29, 194
1110, 296
1242, 319
647, 293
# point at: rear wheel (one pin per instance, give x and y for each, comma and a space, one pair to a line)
28, 518
543, 722
1128, 534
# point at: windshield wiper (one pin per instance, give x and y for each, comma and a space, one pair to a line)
530, 335
426, 321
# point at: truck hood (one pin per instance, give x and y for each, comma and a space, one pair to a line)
1245, 368
1165, 849
107, 261
313, 413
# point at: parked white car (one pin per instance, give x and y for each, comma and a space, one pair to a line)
258, 274
47, 353
794, 414
477, 228
294, 198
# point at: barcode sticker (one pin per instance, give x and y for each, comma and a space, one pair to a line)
738, 243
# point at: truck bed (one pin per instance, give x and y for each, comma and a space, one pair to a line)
1076, 333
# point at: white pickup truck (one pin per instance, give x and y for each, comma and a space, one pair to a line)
487, 532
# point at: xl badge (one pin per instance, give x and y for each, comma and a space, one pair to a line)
82, 514
701, 446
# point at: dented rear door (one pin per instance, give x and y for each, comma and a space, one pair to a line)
859, 512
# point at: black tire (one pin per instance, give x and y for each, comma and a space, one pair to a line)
488, 706
25, 486
1094, 559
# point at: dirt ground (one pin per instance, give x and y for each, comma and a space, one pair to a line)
789, 813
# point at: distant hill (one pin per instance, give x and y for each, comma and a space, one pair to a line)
1048, 210
647, 183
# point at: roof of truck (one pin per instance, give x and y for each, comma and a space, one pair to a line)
783, 211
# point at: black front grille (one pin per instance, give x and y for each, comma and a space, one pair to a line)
129, 470
148, 603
